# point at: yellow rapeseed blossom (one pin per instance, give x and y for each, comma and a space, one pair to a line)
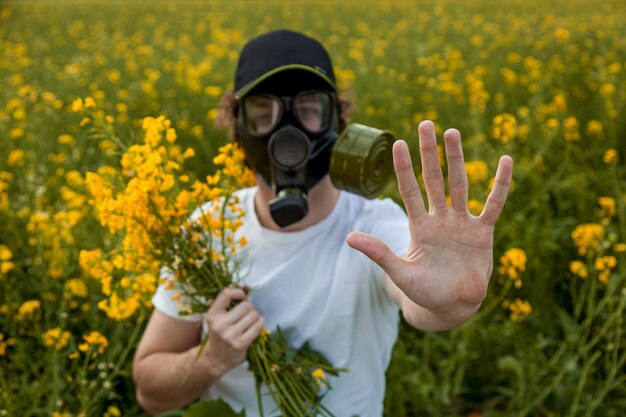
607, 208
89, 103
147, 202
611, 157
587, 237
595, 129
561, 34
579, 269
56, 338
77, 105
53, 232
5, 343
477, 171
478, 95
5, 260
15, 158
604, 265
66, 139
518, 309
95, 342
512, 264
112, 411
119, 308
264, 334
475, 207
504, 127
76, 288
28, 309
570, 129
319, 373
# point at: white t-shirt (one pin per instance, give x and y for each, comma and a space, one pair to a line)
321, 291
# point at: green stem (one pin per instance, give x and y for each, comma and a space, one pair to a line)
581, 382
259, 400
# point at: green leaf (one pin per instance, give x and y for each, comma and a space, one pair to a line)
212, 408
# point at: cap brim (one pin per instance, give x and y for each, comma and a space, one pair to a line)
248, 87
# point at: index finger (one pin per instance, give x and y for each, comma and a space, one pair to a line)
407, 183
224, 298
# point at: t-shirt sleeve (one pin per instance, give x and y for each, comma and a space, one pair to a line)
387, 221
165, 302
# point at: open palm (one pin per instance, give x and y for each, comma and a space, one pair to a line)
450, 258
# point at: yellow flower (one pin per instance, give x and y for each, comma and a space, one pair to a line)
89, 103
579, 269
263, 335
512, 264
504, 127
611, 157
570, 127
518, 309
319, 374
94, 341
15, 158
604, 265
587, 237
28, 308
5, 253
477, 171
5, 343
56, 338
170, 135
474, 206
561, 34
594, 128
112, 411
66, 139
213, 91
607, 207
6, 267
77, 105
76, 287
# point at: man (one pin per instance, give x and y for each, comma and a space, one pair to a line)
302, 264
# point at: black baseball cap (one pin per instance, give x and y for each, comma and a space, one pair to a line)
278, 51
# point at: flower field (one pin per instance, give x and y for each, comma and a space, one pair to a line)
542, 81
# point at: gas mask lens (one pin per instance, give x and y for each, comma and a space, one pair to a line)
312, 111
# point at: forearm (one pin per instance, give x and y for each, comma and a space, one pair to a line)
167, 380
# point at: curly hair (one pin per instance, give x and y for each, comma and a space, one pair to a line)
226, 118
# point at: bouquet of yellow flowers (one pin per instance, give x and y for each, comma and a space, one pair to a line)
160, 220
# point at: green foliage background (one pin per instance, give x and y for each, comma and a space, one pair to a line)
554, 69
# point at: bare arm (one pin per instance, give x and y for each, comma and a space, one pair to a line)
167, 369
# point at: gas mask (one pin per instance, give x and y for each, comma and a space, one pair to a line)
290, 141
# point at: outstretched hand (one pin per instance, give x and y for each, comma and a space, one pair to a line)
450, 258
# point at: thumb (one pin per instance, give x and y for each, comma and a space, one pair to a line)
377, 251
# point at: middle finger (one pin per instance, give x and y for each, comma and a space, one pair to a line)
431, 170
